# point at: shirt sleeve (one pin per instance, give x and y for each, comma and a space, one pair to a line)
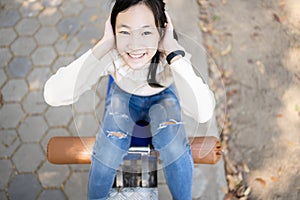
196, 99
70, 82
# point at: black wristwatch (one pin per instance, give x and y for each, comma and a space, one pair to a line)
171, 55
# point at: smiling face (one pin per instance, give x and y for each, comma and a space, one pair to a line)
137, 37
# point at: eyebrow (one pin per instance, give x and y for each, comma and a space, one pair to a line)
126, 26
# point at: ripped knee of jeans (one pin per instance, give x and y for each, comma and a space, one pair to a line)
116, 134
167, 123
121, 115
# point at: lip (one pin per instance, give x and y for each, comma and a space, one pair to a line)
136, 56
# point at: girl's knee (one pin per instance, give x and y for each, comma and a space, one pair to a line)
110, 149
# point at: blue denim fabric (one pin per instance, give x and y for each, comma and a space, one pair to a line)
163, 113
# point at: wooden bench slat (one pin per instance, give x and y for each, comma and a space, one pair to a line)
77, 150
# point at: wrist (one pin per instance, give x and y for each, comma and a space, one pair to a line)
101, 48
174, 55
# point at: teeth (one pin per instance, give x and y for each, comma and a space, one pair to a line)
136, 55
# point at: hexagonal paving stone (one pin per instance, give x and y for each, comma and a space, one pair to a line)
50, 16
10, 115
6, 169
43, 55
38, 77
91, 15
52, 133
7, 35
62, 61
88, 34
52, 194
76, 186
84, 125
80, 167
28, 157
68, 26
59, 116
14, 90
9, 17
34, 103
53, 175
51, 3
23, 46
71, 8
5, 57
67, 46
31, 8
84, 48
32, 129
46, 35
20, 66
9, 141
27, 26
3, 77
7, 4
87, 102
94, 3
25, 187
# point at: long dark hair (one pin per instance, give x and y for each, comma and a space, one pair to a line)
158, 9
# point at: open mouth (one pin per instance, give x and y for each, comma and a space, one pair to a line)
136, 55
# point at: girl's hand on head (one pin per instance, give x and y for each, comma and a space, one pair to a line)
109, 34
107, 42
168, 43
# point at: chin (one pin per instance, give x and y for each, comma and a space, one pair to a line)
137, 66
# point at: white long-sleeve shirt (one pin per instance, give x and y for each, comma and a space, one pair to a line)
70, 82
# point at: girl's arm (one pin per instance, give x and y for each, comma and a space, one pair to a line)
70, 82
196, 99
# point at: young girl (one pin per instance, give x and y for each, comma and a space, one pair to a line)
150, 71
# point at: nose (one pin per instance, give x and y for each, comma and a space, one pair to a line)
135, 41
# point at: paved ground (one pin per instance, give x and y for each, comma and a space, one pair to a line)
256, 45
36, 38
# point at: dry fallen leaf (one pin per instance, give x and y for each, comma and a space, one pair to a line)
203, 27
261, 181
229, 196
93, 18
276, 18
65, 36
279, 171
247, 191
233, 181
224, 2
274, 178
245, 167
282, 4
227, 50
297, 108
261, 67
93, 41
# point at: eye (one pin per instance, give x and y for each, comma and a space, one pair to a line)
124, 32
147, 33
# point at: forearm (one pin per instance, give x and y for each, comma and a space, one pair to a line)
102, 48
70, 82
195, 96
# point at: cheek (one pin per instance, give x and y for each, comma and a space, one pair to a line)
151, 40
121, 43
